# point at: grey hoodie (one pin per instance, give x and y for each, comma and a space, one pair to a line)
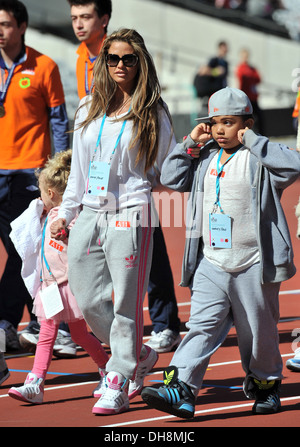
273, 167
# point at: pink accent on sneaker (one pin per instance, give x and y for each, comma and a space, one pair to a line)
148, 349
114, 383
101, 387
32, 391
115, 399
108, 411
144, 367
16, 395
29, 379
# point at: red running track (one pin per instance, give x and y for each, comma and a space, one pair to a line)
68, 397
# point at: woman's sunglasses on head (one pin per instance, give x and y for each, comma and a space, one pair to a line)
129, 60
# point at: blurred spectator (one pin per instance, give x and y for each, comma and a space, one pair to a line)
260, 8
296, 118
218, 66
231, 4
213, 76
248, 78
222, 3
263, 8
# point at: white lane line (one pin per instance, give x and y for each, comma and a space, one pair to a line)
149, 420
150, 374
62, 386
209, 410
289, 292
188, 303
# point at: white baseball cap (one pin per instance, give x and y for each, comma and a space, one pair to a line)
228, 101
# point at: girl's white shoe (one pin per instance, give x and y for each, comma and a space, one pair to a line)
115, 399
32, 391
101, 387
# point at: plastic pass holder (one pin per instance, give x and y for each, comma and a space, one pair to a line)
219, 230
51, 300
98, 178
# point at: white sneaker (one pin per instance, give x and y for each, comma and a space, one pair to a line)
11, 336
101, 387
115, 399
29, 336
64, 347
294, 363
4, 372
32, 391
164, 341
145, 365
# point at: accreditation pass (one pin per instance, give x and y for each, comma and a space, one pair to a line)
98, 178
220, 230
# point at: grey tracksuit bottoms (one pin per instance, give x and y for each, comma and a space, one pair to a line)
219, 300
109, 257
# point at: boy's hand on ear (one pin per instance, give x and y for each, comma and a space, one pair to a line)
241, 134
201, 133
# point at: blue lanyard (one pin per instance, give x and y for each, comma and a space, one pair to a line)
100, 136
219, 172
86, 81
7, 83
21, 59
43, 257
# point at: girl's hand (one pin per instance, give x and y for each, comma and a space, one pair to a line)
58, 229
201, 133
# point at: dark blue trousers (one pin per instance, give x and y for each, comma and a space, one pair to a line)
17, 190
162, 303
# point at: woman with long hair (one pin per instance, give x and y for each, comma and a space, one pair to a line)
123, 133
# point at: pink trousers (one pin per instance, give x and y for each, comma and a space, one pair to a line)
79, 334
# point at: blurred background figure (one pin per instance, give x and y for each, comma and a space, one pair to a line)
231, 4
31, 99
248, 79
213, 76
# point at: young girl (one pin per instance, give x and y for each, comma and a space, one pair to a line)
53, 301
121, 131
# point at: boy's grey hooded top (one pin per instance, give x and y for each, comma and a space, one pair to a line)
273, 167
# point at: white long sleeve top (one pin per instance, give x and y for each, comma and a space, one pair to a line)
128, 184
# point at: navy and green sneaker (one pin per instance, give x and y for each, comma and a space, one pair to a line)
174, 397
266, 395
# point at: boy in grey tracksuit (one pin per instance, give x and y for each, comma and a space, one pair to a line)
238, 251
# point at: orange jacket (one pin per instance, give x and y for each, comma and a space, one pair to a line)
84, 70
24, 129
297, 106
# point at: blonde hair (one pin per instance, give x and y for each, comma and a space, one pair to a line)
57, 170
146, 96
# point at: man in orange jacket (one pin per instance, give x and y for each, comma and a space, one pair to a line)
31, 98
89, 20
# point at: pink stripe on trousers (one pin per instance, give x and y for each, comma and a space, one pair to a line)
146, 238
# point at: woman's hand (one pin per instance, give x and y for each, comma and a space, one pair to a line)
195, 151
